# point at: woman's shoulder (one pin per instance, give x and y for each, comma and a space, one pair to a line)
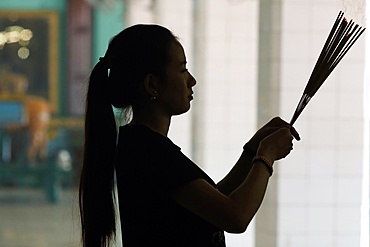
142, 134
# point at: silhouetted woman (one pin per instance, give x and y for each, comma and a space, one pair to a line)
164, 198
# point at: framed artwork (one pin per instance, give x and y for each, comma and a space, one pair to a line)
29, 55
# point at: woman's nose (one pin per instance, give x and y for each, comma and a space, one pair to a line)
192, 80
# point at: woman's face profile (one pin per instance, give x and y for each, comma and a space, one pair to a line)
176, 90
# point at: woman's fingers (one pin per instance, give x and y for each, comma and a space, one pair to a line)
278, 122
294, 133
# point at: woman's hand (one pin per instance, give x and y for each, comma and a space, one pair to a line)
272, 126
276, 145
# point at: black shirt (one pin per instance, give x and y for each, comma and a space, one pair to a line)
149, 167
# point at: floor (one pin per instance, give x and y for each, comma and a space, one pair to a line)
28, 220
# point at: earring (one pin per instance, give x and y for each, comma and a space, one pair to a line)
153, 97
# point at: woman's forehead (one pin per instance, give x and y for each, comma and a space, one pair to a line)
177, 53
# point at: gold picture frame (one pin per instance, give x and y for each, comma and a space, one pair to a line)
29, 57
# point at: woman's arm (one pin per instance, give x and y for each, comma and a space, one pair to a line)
233, 211
237, 174
244, 164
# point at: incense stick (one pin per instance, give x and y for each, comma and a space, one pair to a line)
341, 38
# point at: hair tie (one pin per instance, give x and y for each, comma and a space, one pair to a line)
104, 62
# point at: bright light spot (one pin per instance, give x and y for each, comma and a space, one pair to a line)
26, 34
23, 53
13, 36
3, 39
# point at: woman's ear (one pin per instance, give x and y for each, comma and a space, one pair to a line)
151, 84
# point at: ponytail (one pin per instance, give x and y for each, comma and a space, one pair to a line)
96, 192
132, 54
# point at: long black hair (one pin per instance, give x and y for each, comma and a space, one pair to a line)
116, 80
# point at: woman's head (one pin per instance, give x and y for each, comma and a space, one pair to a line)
132, 54
174, 90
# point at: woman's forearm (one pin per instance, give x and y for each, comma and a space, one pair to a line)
237, 174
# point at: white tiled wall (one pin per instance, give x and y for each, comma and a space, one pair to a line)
230, 75
318, 197
230, 88
321, 182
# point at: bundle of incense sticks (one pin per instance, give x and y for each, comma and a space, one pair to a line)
341, 38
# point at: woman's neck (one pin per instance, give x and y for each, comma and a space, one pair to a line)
155, 122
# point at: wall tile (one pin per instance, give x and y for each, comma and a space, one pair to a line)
322, 133
295, 46
321, 221
348, 191
293, 220
347, 219
324, 14
320, 240
293, 191
321, 192
350, 105
351, 76
349, 163
350, 133
294, 166
292, 240
322, 163
345, 240
295, 16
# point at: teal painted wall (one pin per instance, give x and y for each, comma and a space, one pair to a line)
33, 4
106, 24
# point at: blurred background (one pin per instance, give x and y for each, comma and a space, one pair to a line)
252, 60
